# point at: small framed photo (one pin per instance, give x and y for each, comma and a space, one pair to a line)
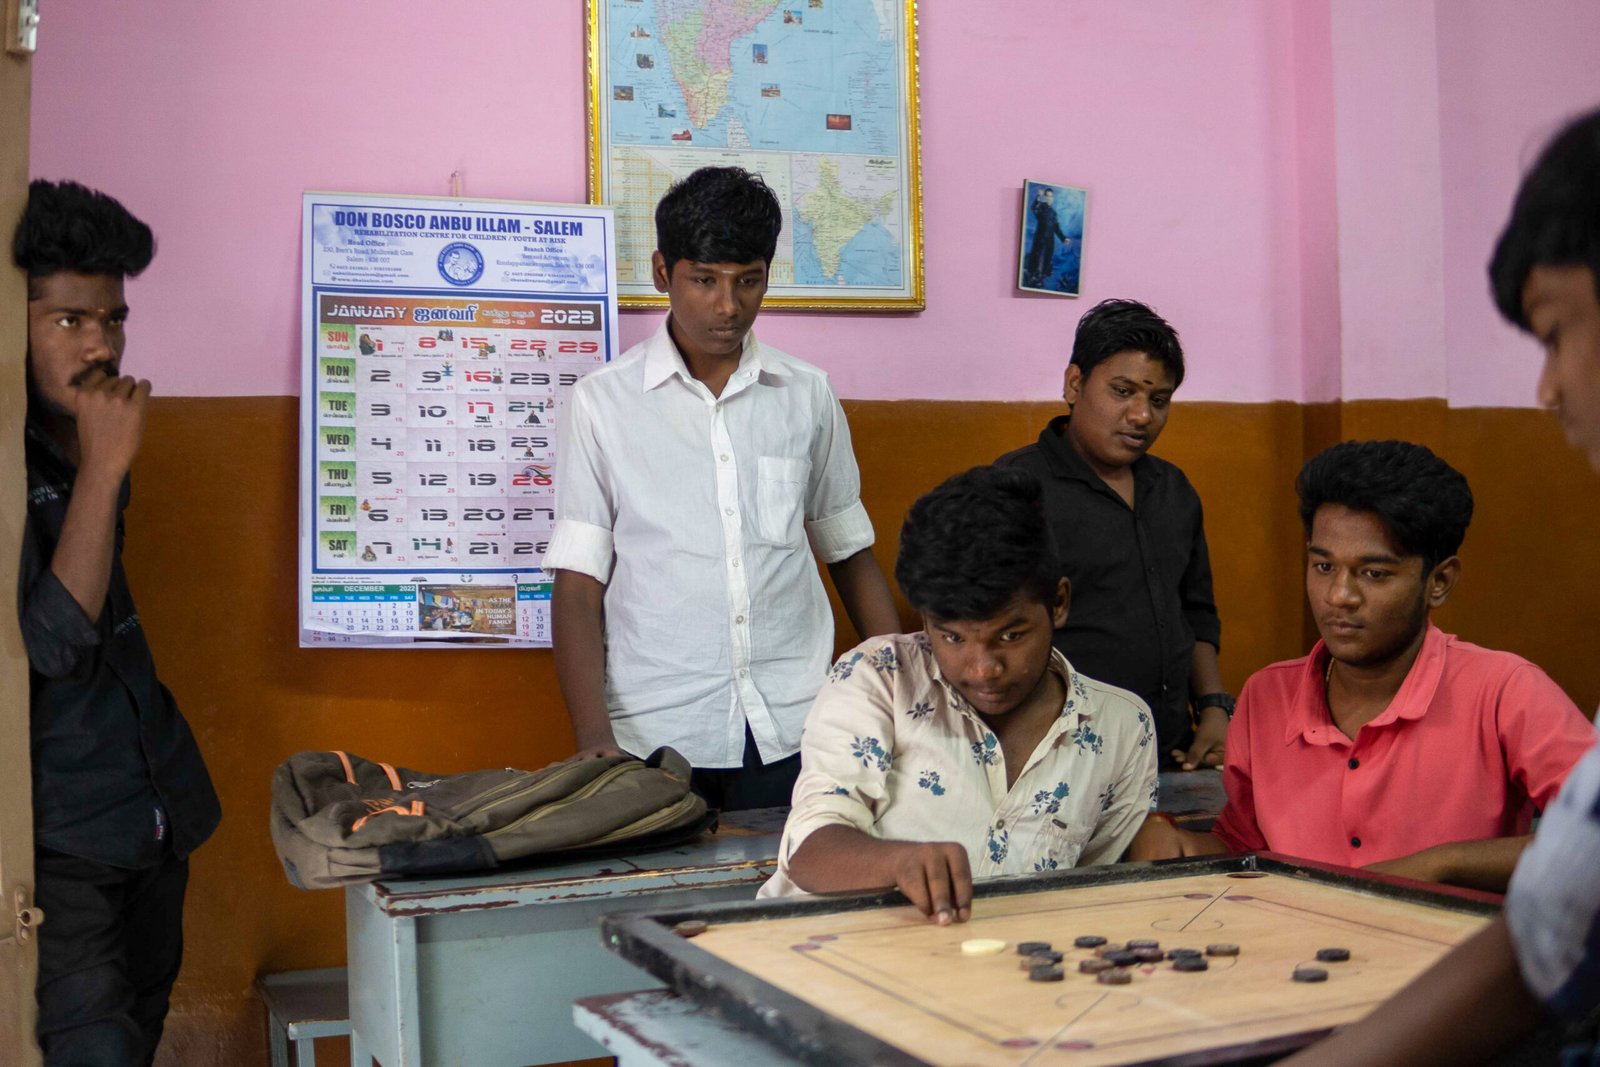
1051, 258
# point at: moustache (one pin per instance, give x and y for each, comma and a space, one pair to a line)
90, 371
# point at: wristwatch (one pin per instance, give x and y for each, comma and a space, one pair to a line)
1224, 701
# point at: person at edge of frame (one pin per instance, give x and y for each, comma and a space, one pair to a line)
1539, 960
1332, 755
1130, 533
687, 609
121, 796
971, 748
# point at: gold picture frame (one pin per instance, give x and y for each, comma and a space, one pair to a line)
885, 185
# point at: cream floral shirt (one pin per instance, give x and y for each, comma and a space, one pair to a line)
891, 748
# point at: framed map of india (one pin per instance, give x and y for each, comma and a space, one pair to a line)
819, 97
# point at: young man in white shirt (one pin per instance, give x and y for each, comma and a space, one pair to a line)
972, 748
687, 609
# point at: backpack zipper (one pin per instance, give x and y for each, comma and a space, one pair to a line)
649, 822
501, 797
572, 798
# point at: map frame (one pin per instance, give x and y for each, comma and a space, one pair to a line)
908, 296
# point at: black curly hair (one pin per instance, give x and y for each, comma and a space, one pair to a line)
718, 215
1113, 326
972, 545
70, 227
1555, 221
1425, 502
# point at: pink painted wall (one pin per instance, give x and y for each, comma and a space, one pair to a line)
209, 119
1509, 73
1208, 135
1386, 145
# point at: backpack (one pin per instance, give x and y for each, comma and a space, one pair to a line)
338, 818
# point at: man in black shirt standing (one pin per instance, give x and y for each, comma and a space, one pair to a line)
1129, 532
120, 793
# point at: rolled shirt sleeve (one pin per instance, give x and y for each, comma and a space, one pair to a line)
582, 540
845, 754
835, 519
55, 629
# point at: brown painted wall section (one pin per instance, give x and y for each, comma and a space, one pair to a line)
212, 556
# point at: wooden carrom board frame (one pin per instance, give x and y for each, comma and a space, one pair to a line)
810, 1032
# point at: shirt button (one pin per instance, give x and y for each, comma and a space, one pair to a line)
727, 511
1355, 842
738, 618
736, 561
723, 457
744, 674
999, 824
1354, 763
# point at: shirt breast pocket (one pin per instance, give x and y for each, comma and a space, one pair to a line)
780, 499
1060, 844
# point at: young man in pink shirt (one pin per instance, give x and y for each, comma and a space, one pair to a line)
1393, 746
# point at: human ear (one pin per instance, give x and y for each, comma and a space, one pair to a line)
658, 271
1442, 581
1072, 384
1058, 610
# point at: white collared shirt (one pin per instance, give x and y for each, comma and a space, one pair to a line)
893, 749
694, 510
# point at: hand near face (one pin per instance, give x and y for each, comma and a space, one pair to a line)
110, 413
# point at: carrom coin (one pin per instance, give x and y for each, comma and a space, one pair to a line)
982, 946
1333, 955
1222, 950
690, 928
1046, 972
1088, 941
1142, 942
1190, 963
1309, 974
1148, 955
1094, 965
1179, 953
1115, 976
1028, 948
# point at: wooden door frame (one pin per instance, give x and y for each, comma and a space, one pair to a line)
19, 948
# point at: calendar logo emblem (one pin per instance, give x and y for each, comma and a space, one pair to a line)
460, 263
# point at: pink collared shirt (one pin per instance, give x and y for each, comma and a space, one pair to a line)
1474, 741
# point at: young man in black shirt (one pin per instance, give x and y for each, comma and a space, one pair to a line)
120, 793
1129, 532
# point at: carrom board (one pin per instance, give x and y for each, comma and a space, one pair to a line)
864, 978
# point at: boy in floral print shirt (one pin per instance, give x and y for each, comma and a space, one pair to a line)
971, 748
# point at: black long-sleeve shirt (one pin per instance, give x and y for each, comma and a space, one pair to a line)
117, 776
1141, 575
